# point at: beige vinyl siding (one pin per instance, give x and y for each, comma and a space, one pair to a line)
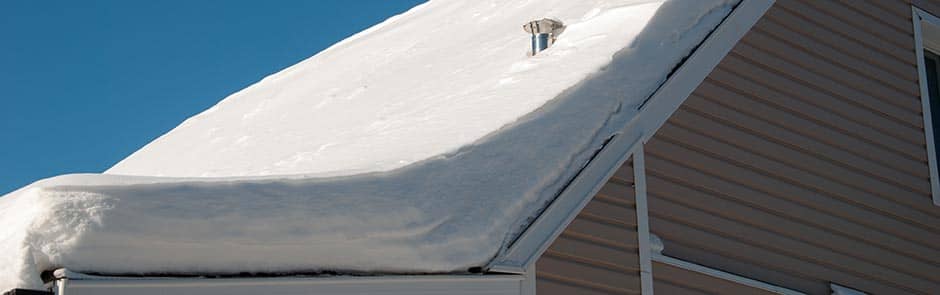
598, 252
671, 280
801, 159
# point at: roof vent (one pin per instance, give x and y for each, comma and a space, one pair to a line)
543, 32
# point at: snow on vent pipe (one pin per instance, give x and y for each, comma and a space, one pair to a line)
544, 32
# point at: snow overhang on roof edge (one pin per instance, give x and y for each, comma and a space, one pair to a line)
536, 238
519, 256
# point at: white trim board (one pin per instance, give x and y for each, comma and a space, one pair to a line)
78, 284
538, 236
841, 290
642, 221
723, 275
927, 35
528, 285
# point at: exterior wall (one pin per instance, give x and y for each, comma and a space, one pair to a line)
801, 160
598, 252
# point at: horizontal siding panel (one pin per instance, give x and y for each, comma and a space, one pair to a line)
601, 211
904, 83
586, 252
783, 245
618, 193
547, 286
706, 256
797, 89
780, 188
860, 21
587, 275
848, 46
838, 116
598, 253
735, 250
906, 98
827, 85
664, 287
604, 232
898, 8
690, 282
666, 176
860, 34
889, 190
787, 110
623, 175
901, 20
851, 151
784, 225
804, 178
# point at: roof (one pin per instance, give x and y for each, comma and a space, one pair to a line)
448, 169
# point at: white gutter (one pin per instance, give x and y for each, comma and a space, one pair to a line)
71, 283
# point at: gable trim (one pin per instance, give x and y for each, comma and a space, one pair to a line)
665, 101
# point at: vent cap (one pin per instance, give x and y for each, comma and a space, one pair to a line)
544, 32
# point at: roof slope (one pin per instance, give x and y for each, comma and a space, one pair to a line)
424, 144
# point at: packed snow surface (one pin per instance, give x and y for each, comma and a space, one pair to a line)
423, 144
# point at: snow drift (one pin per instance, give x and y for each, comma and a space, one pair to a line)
424, 144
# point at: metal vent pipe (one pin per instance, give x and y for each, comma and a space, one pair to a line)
544, 32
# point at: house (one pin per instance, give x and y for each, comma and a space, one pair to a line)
789, 150
804, 163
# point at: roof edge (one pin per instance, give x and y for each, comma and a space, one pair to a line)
660, 106
68, 282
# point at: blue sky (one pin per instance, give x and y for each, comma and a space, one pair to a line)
83, 84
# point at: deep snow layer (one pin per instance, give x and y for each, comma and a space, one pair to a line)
419, 85
462, 138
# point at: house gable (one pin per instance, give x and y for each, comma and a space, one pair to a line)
801, 160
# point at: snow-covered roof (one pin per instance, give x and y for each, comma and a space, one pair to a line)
424, 144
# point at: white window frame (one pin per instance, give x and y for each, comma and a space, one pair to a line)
927, 36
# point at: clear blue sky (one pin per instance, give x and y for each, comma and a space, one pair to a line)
83, 84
